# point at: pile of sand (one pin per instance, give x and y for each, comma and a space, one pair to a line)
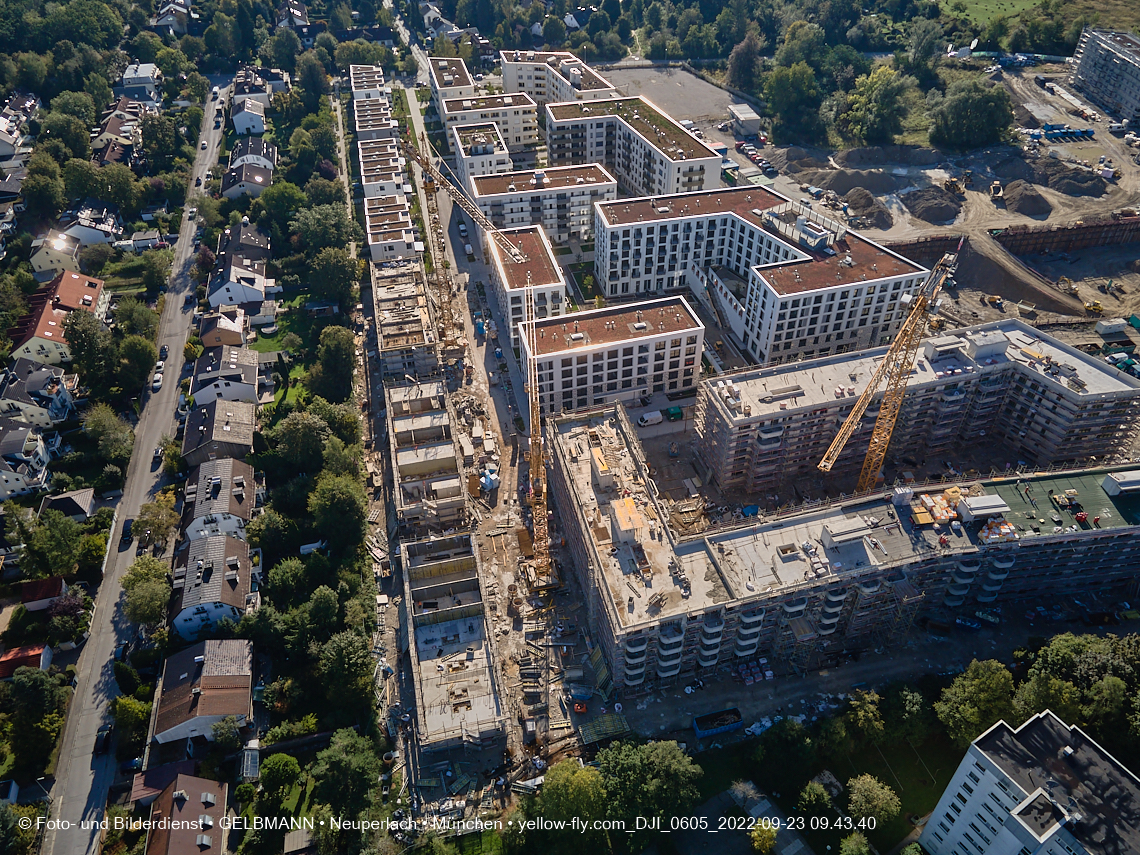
1052, 173
1021, 197
804, 164
1013, 168
862, 203
877, 155
933, 204
843, 181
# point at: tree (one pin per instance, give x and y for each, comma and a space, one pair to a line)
77, 104
341, 459
226, 734
279, 773
803, 42
346, 772
156, 268
331, 375
814, 800
787, 748
71, 131
652, 780
908, 715
571, 790
282, 201
324, 226
335, 274
324, 612
197, 86
281, 50
160, 140
131, 718
321, 191
312, 80
53, 547
834, 738
14, 838
113, 436
158, 517
925, 42
137, 356
148, 590
864, 717
763, 838
554, 31
340, 509
913, 849
971, 114
744, 63
1043, 692
342, 419
855, 843
867, 796
299, 442
976, 699
133, 317
80, 180
1105, 710
91, 346
43, 196
875, 109
793, 96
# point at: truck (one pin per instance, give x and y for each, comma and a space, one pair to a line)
723, 721
653, 417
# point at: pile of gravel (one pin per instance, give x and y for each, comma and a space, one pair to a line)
1021, 197
862, 203
933, 204
877, 155
1052, 173
843, 181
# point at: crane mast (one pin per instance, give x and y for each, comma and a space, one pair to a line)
894, 370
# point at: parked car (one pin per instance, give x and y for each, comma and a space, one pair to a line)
163, 352
156, 384
103, 739
131, 765
204, 144
121, 652
127, 526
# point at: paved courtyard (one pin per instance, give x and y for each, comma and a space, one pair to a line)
679, 93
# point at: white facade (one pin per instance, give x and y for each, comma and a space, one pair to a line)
225, 374
449, 79
479, 150
539, 274
643, 147
515, 115
786, 282
24, 458
366, 82
618, 353
553, 76
381, 168
1106, 67
55, 252
388, 228
1044, 788
560, 199
374, 120
242, 281
249, 117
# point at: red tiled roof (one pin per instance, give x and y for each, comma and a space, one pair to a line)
19, 657
41, 589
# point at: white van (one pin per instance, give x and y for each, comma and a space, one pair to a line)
653, 417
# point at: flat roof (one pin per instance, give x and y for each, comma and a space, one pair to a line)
554, 178
1123, 41
365, 77
656, 126
558, 60
625, 322
476, 138
514, 100
449, 71
540, 266
811, 269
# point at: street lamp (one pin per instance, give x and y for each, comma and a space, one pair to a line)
47, 795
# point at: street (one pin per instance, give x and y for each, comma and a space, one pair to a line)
82, 778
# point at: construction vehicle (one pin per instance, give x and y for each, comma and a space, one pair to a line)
938, 324
995, 300
893, 372
996, 191
1067, 285
1094, 307
951, 185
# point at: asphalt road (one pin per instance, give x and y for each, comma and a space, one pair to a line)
82, 779
406, 37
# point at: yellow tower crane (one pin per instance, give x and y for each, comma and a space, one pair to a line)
894, 370
543, 567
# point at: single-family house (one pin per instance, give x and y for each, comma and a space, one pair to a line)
225, 373
173, 17
212, 580
42, 395
248, 117
39, 335
187, 818
239, 280
148, 784
114, 129
24, 458
55, 252
79, 505
250, 85
202, 685
292, 13
246, 180
224, 326
142, 81
246, 240
142, 241
255, 151
28, 656
93, 221
220, 499
218, 429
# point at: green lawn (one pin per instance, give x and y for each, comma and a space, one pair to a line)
299, 801
123, 275
984, 11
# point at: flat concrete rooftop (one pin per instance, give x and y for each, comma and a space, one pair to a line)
555, 178
657, 127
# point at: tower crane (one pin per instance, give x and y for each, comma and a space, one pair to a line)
536, 495
894, 370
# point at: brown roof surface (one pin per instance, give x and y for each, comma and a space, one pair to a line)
479, 133
454, 66
50, 305
615, 324
20, 657
649, 122
181, 675
556, 177
180, 832
870, 261
209, 576
539, 264
41, 589
152, 782
222, 486
511, 100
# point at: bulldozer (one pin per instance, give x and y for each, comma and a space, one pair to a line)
937, 324
1094, 307
951, 185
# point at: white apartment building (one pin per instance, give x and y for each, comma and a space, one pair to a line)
560, 199
374, 120
367, 83
538, 272
388, 229
449, 79
381, 168
1044, 788
648, 152
515, 115
1106, 68
787, 282
618, 353
479, 150
553, 76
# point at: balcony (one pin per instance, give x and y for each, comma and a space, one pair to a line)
961, 578
826, 629
636, 657
796, 608
1004, 563
829, 619
670, 641
632, 645
957, 590
752, 631
707, 660
633, 669
997, 575
992, 587
985, 598
869, 588
837, 596
635, 681
954, 602
669, 655
970, 566
672, 671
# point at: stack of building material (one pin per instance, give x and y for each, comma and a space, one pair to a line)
997, 530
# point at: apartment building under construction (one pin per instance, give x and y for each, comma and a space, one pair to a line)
791, 592
1004, 382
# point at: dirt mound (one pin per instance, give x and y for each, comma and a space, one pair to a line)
933, 204
1021, 197
1023, 118
862, 203
843, 181
805, 164
1014, 168
794, 152
1053, 174
877, 155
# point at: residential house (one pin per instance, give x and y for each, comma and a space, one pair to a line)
225, 373
93, 221
24, 456
79, 505
246, 240
149, 784
214, 581
223, 327
292, 13
55, 252
249, 85
248, 117
39, 335
39, 594
37, 394
125, 109
278, 80
373, 35
202, 685
221, 496
308, 33
260, 314
239, 280
218, 429
172, 17
155, 210
254, 151
142, 241
246, 180
29, 656
113, 129
143, 82
12, 183
186, 819
113, 152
